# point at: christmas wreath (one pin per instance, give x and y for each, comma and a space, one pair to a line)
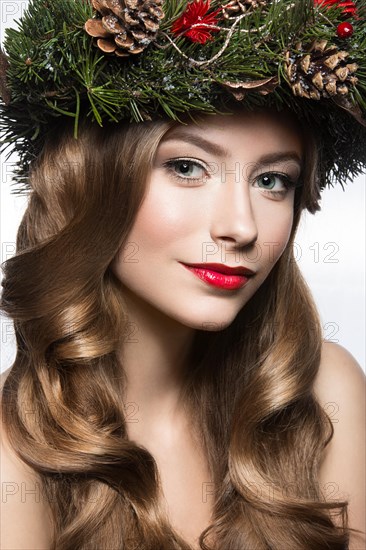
138, 60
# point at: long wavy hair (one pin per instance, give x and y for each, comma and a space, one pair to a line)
248, 391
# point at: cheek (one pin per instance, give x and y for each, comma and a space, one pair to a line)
275, 230
161, 222
163, 218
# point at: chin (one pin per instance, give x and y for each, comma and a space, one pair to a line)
211, 322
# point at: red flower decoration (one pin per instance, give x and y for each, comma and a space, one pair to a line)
190, 23
348, 7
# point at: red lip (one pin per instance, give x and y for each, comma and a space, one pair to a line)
221, 268
233, 279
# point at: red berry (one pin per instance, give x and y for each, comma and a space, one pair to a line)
345, 30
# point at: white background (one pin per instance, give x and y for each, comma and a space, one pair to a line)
330, 248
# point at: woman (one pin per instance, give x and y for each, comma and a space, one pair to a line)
171, 385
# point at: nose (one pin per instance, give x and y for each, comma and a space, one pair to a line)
233, 219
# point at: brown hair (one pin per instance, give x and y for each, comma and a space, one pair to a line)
249, 391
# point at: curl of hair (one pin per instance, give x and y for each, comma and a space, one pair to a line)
249, 391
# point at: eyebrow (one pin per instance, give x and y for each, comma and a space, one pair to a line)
272, 158
218, 150
201, 142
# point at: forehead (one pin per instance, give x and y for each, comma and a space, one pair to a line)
254, 132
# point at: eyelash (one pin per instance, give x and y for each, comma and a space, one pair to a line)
288, 182
171, 164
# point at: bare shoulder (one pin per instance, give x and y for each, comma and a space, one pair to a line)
340, 388
25, 518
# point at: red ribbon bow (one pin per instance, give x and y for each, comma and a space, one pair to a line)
191, 23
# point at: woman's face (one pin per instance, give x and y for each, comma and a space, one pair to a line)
219, 192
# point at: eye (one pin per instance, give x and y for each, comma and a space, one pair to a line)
186, 169
269, 181
274, 184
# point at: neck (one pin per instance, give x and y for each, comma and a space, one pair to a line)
154, 359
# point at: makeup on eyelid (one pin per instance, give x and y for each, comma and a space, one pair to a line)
219, 161
195, 172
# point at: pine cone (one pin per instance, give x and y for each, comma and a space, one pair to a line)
125, 26
320, 71
236, 7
